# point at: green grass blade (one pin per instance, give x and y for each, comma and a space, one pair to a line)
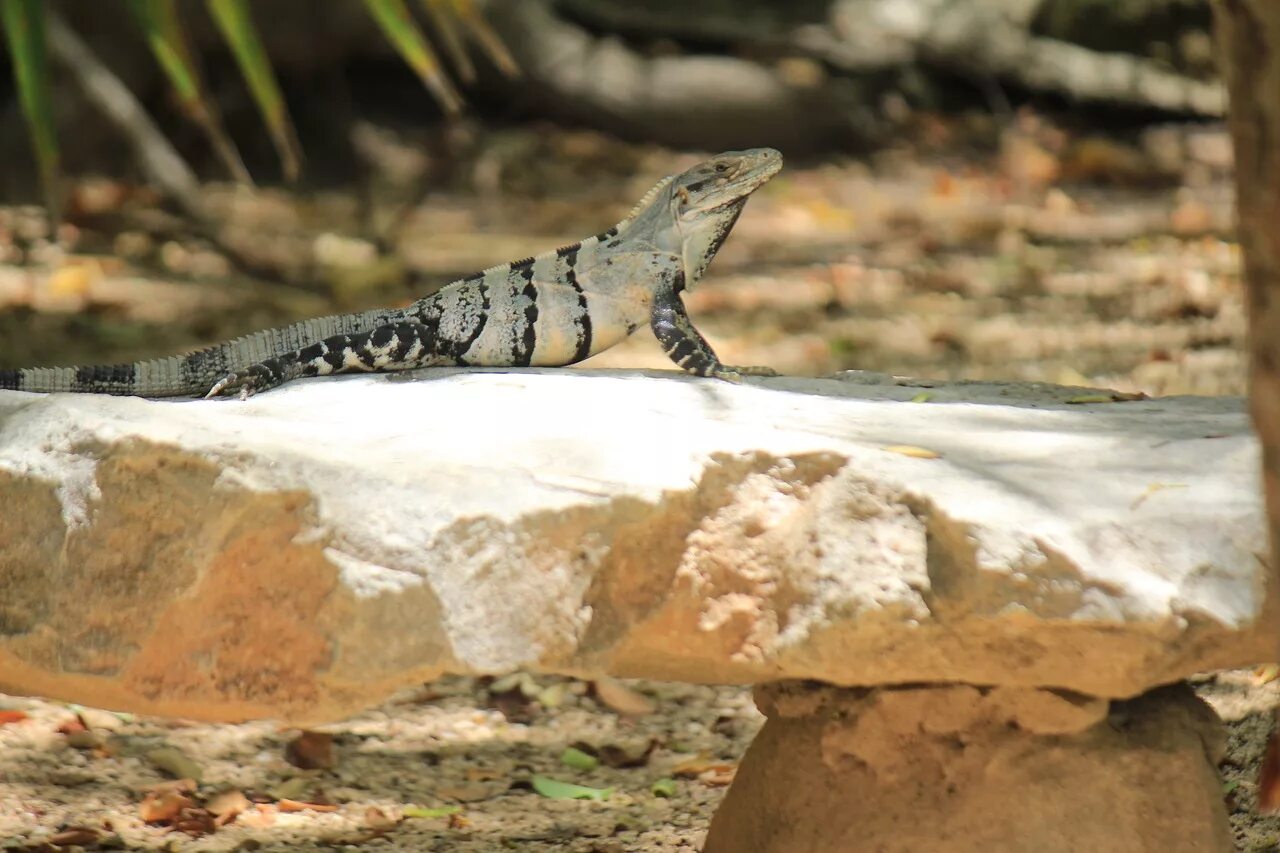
445, 20
236, 24
159, 22
480, 30
399, 26
24, 32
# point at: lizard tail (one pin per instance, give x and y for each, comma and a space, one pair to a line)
192, 374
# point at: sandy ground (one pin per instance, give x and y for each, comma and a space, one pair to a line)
1023, 252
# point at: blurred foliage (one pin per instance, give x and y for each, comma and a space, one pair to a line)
453, 20
24, 31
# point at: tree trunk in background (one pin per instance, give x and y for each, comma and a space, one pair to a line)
1248, 34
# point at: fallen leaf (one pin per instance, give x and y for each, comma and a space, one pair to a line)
703, 765
310, 751
912, 451
554, 789
227, 805
1091, 398
578, 760
75, 835
175, 762
292, 788
718, 776
664, 787
163, 806
195, 821
423, 812
299, 806
621, 699
260, 816
553, 696
457, 821
922, 397
7, 717
378, 820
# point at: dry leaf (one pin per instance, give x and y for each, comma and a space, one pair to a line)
704, 768
175, 762
298, 806
912, 451
718, 776
75, 835
163, 806
310, 751
378, 820
228, 805
259, 817
621, 699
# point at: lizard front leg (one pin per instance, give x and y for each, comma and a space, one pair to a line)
395, 346
684, 345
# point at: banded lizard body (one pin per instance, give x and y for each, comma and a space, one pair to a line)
554, 309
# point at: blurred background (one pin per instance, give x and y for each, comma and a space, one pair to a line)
1021, 189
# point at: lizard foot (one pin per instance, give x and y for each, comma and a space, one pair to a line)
242, 383
735, 374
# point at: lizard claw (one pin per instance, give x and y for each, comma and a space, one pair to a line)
242, 381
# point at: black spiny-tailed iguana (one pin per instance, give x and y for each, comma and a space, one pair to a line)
554, 309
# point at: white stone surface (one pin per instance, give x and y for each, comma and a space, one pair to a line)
639, 524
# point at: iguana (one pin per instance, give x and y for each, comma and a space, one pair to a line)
554, 309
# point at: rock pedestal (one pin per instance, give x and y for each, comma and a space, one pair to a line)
959, 769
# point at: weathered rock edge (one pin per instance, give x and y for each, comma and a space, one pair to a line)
307, 552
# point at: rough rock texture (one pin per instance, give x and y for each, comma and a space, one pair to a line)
961, 770
306, 552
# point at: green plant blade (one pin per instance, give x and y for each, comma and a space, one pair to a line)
444, 17
394, 19
483, 33
24, 32
159, 22
236, 24
556, 790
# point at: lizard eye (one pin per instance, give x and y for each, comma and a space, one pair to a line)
722, 167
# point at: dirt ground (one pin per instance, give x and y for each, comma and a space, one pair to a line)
1021, 249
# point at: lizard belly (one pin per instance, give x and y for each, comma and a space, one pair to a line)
573, 324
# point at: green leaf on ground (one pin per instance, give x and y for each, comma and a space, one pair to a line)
554, 789
578, 760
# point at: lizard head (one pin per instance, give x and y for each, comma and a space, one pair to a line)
714, 184
706, 200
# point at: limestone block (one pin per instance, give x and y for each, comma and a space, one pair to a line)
957, 769
308, 551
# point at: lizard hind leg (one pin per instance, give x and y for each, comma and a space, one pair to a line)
398, 346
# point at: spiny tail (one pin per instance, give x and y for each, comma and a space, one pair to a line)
194, 373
